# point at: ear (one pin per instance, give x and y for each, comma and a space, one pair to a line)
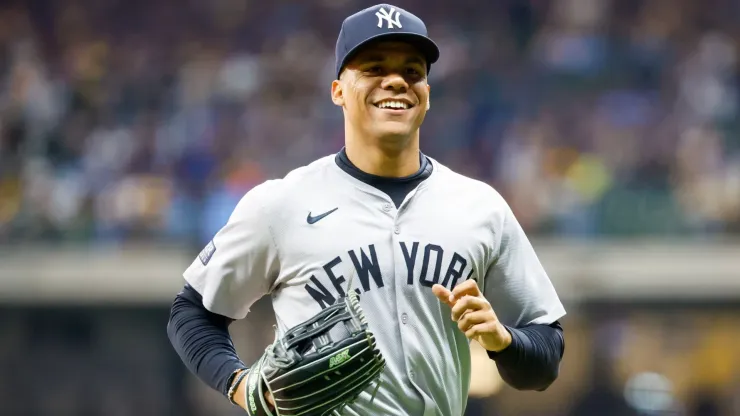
337, 93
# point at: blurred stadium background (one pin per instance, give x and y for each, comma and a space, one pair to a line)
130, 128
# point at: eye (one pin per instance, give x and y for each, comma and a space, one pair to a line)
376, 69
414, 73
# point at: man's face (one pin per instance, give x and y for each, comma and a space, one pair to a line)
384, 90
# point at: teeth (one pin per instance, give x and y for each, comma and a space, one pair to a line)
393, 104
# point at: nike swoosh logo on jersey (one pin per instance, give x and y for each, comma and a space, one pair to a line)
313, 220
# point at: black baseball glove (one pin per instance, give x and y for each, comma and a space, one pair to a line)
319, 366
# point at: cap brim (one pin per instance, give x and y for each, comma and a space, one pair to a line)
424, 44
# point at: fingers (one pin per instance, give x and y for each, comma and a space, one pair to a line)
474, 318
468, 287
479, 329
443, 294
449, 298
468, 304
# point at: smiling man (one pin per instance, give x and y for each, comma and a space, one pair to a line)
385, 96
437, 259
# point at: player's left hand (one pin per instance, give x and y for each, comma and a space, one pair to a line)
474, 315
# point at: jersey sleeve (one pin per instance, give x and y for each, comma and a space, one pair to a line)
239, 265
516, 284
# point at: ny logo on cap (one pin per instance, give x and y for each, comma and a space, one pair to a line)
391, 17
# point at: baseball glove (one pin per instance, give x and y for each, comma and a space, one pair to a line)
319, 366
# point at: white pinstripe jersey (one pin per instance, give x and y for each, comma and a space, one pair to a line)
449, 229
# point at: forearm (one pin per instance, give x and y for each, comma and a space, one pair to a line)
202, 341
532, 361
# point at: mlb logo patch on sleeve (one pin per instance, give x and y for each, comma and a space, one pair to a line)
207, 253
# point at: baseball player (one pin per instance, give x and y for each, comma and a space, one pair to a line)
436, 259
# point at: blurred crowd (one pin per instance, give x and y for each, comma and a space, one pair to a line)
133, 119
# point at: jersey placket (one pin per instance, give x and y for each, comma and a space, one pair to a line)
403, 307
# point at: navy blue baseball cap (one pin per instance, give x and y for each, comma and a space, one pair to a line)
383, 22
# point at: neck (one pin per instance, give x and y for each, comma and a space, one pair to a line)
388, 161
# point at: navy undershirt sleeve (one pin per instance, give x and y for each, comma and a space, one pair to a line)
532, 361
202, 340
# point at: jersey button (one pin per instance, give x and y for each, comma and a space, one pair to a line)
386, 207
404, 318
397, 229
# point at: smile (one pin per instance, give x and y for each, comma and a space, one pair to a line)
394, 104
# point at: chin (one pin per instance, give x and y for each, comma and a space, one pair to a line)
390, 134
398, 127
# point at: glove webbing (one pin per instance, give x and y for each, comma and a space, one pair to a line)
318, 324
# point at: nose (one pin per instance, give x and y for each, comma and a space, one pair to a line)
395, 82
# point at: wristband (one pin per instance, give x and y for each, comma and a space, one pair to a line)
235, 385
